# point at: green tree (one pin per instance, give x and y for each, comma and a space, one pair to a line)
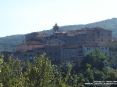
111, 74
11, 73
41, 73
89, 73
97, 59
1, 62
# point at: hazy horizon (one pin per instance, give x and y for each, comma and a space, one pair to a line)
25, 16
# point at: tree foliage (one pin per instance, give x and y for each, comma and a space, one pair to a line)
40, 72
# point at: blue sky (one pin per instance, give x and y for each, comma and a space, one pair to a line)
25, 16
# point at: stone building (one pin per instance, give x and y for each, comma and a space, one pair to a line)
67, 45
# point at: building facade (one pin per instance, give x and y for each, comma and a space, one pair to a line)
68, 45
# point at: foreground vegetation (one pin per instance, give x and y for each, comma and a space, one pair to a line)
40, 72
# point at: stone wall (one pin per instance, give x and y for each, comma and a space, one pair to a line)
70, 45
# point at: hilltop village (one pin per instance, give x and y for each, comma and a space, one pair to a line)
66, 45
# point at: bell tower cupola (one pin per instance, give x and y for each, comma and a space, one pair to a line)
55, 28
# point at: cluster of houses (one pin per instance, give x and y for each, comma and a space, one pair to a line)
73, 44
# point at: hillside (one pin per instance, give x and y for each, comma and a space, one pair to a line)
110, 24
10, 42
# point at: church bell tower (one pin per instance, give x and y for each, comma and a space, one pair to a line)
55, 28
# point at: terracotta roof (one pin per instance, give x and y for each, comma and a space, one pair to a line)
29, 47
